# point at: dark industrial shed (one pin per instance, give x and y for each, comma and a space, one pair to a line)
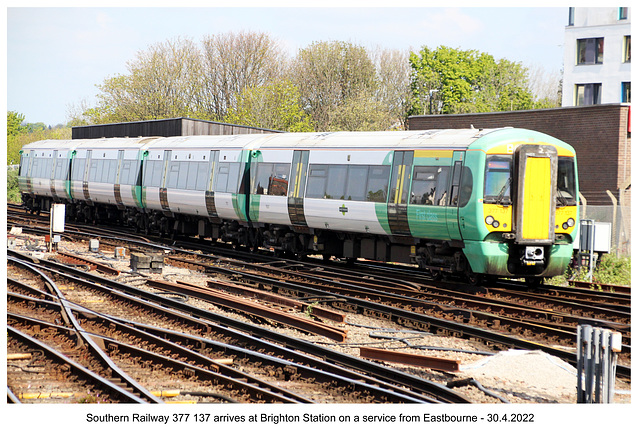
165, 127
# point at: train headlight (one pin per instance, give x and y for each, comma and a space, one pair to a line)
495, 223
489, 220
569, 223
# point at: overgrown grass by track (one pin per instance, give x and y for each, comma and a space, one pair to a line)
13, 193
611, 269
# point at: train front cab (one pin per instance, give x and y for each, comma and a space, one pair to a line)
528, 213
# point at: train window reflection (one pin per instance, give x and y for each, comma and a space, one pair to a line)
497, 180
566, 193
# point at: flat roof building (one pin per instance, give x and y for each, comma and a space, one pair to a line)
597, 56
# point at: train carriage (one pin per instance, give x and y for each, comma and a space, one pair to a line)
195, 185
103, 178
44, 171
499, 202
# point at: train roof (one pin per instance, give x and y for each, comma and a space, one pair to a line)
71, 144
388, 140
450, 138
206, 141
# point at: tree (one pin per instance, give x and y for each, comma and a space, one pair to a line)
328, 75
14, 123
232, 63
20, 134
162, 83
275, 105
449, 81
546, 87
393, 90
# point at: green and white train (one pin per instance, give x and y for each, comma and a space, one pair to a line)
499, 202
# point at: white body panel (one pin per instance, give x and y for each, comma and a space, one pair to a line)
41, 186
152, 198
102, 193
187, 202
340, 215
224, 206
274, 210
127, 195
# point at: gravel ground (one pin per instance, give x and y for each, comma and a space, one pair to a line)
514, 376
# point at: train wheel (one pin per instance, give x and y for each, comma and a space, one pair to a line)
436, 274
534, 282
475, 279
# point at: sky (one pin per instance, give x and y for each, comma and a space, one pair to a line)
56, 56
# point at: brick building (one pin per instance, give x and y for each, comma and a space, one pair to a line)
601, 135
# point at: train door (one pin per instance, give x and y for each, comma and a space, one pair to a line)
85, 177
454, 223
299, 167
117, 192
209, 194
536, 168
399, 193
54, 171
164, 199
24, 174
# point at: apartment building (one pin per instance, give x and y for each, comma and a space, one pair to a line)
597, 56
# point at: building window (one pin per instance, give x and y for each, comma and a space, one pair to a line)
623, 13
590, 51
572, 15
626, 50
588, 94
626, 92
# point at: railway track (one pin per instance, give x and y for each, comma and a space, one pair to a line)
455, 313
371, 390
499, 317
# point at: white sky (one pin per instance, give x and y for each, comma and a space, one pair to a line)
57, 56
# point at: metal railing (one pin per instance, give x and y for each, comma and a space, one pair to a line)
598, 350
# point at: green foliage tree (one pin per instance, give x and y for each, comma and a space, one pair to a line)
451, 81
20, 134
14, 123
275, 105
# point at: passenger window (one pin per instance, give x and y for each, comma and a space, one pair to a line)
234, 177
77, 170
192, 174
223, 177
466, 186
336, 181
378, 183
357, 183
172, 175
262, 178
423, 189
202, 179
279, 182
125, 172
317, 181
94, 170
429, 186
153, 173
183, 175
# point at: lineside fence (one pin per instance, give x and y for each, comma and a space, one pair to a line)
620, 219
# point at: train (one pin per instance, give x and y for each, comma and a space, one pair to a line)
476, 203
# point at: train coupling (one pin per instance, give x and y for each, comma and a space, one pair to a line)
533, 255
